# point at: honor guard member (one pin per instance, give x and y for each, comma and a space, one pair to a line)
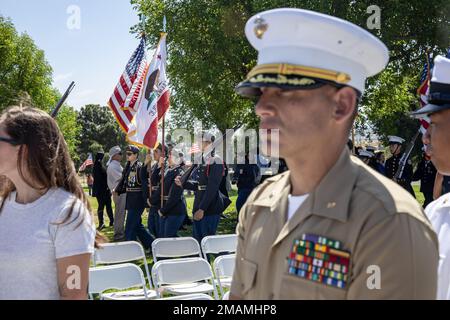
368, 157
173, 210
246, 178
330, 227
365, 156
392, 164
371, 149
135, 199
154, 179
209, 202
426, 173
436, 141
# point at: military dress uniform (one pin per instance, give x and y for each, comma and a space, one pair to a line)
246, 178
355, 223
391, 167
173, 208
208, 196
426, 173
439, 211
154, 178
135, 204
357, 235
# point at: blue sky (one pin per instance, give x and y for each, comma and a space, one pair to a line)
94, 56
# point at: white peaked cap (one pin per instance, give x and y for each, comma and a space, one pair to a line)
396, 139
364, 153
314, 45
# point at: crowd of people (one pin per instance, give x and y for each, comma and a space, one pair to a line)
140, 186
432, 183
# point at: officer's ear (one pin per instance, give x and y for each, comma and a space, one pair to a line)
344, 105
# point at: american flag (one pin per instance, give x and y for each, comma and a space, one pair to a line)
194, 149
89, 162
423, 90
128, 89
154, 102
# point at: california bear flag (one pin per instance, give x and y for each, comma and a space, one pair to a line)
153, 101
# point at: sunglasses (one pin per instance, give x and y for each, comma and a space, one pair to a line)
10, 141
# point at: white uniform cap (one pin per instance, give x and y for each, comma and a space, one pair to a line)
371, 148
441, 70
395, 139
306, 44
439, 90
364, 153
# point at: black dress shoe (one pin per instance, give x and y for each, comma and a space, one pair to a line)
100, 227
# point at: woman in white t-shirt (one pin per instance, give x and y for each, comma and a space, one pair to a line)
46, 231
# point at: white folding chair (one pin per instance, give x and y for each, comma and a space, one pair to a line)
223, 269
120, 277
225, 243
175, 248
120, 252
184, 276
195, 296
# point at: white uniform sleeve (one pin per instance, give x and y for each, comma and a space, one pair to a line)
439, 214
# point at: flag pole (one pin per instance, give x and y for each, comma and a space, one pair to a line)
353, 138
163, 140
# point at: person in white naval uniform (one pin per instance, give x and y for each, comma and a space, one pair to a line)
436, 140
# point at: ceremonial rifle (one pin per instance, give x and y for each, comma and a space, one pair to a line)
55, 111
404, 159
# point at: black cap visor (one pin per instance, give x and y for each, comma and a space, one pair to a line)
430, 108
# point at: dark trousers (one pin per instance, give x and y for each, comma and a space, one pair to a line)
105, 201
428, 198
153, 222
170, 225
134, 228
187, 221
241, 198
205, 227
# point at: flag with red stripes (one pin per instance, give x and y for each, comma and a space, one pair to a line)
194, 149
123, 101
423, 91
89, 162
153, 102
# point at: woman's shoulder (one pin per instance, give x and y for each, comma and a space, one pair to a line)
63, 200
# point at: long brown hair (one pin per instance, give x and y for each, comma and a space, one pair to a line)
45, 155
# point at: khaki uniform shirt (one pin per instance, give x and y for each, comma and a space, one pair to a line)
392, 249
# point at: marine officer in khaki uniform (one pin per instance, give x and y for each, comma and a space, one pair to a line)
330, 228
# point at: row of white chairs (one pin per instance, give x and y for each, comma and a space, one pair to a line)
169, 248
187, 277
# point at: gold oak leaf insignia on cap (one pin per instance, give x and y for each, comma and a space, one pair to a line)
260, 28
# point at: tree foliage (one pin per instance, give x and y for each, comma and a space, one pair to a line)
99, 131
209, 55
26, 76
